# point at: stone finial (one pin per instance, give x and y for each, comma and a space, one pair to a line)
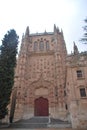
45, 32
55, 30
75, 48
27, 32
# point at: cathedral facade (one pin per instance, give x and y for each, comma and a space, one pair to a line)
48, 81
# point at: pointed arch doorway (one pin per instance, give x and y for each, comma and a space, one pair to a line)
41, 107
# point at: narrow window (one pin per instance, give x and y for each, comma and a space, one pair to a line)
56, 91
41, 46
79, 73
82, 92
66, 106
64, 93
47, 45
35, 46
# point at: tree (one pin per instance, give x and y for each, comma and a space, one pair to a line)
8, 51
84, 39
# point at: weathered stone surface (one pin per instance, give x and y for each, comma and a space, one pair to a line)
44, 69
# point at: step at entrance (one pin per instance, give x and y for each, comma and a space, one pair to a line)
40, 122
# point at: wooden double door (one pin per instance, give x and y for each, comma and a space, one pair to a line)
41, 107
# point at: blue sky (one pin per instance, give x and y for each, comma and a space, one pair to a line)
43, 14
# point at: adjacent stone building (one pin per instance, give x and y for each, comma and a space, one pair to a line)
49, 81
76, 88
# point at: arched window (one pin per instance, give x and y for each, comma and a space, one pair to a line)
47, 45
35, 46
41, 46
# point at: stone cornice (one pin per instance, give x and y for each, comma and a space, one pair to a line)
41, 34
41, 53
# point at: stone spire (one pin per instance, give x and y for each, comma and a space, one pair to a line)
45, 32
55, 29
75, 49
27, 32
